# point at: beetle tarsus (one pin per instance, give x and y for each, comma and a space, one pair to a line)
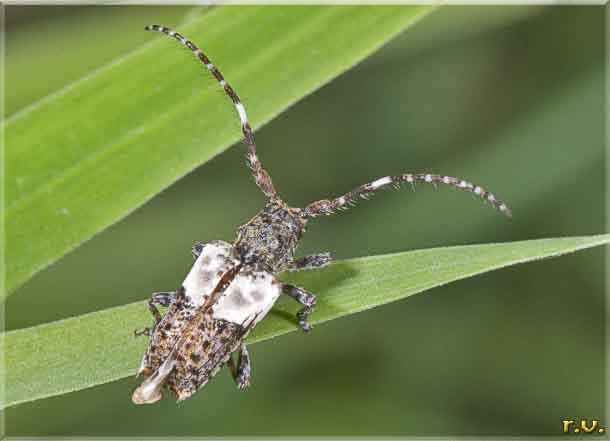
242, 372
305, 298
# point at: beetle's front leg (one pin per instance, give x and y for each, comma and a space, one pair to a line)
197, 249
305, 298
241, 373
158, 298
311, 262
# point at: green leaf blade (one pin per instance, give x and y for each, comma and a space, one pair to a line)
122, 135
96, 348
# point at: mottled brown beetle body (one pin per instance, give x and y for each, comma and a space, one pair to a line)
205, 348
231, 287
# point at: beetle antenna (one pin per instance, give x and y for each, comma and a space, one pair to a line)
261, 177
328, 207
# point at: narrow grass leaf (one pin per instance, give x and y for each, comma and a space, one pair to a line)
96, 348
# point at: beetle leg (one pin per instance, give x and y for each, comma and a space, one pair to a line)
311, 262
144, 331
158, 298
305, 298
197, 249
243, 371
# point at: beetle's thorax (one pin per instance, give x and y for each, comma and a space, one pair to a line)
271, 237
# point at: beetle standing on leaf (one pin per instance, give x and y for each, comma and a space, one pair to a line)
231, 287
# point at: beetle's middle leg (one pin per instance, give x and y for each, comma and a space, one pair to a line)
305, 298
158, 298
311, 262
242, 372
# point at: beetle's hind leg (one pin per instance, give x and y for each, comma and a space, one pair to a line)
158, 298
242, 372
305, 298
311, 262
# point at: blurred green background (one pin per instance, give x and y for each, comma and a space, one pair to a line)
509, 97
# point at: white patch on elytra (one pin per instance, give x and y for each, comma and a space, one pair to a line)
248, 298
215, 259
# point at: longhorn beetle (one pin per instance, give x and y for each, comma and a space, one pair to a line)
231, 287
